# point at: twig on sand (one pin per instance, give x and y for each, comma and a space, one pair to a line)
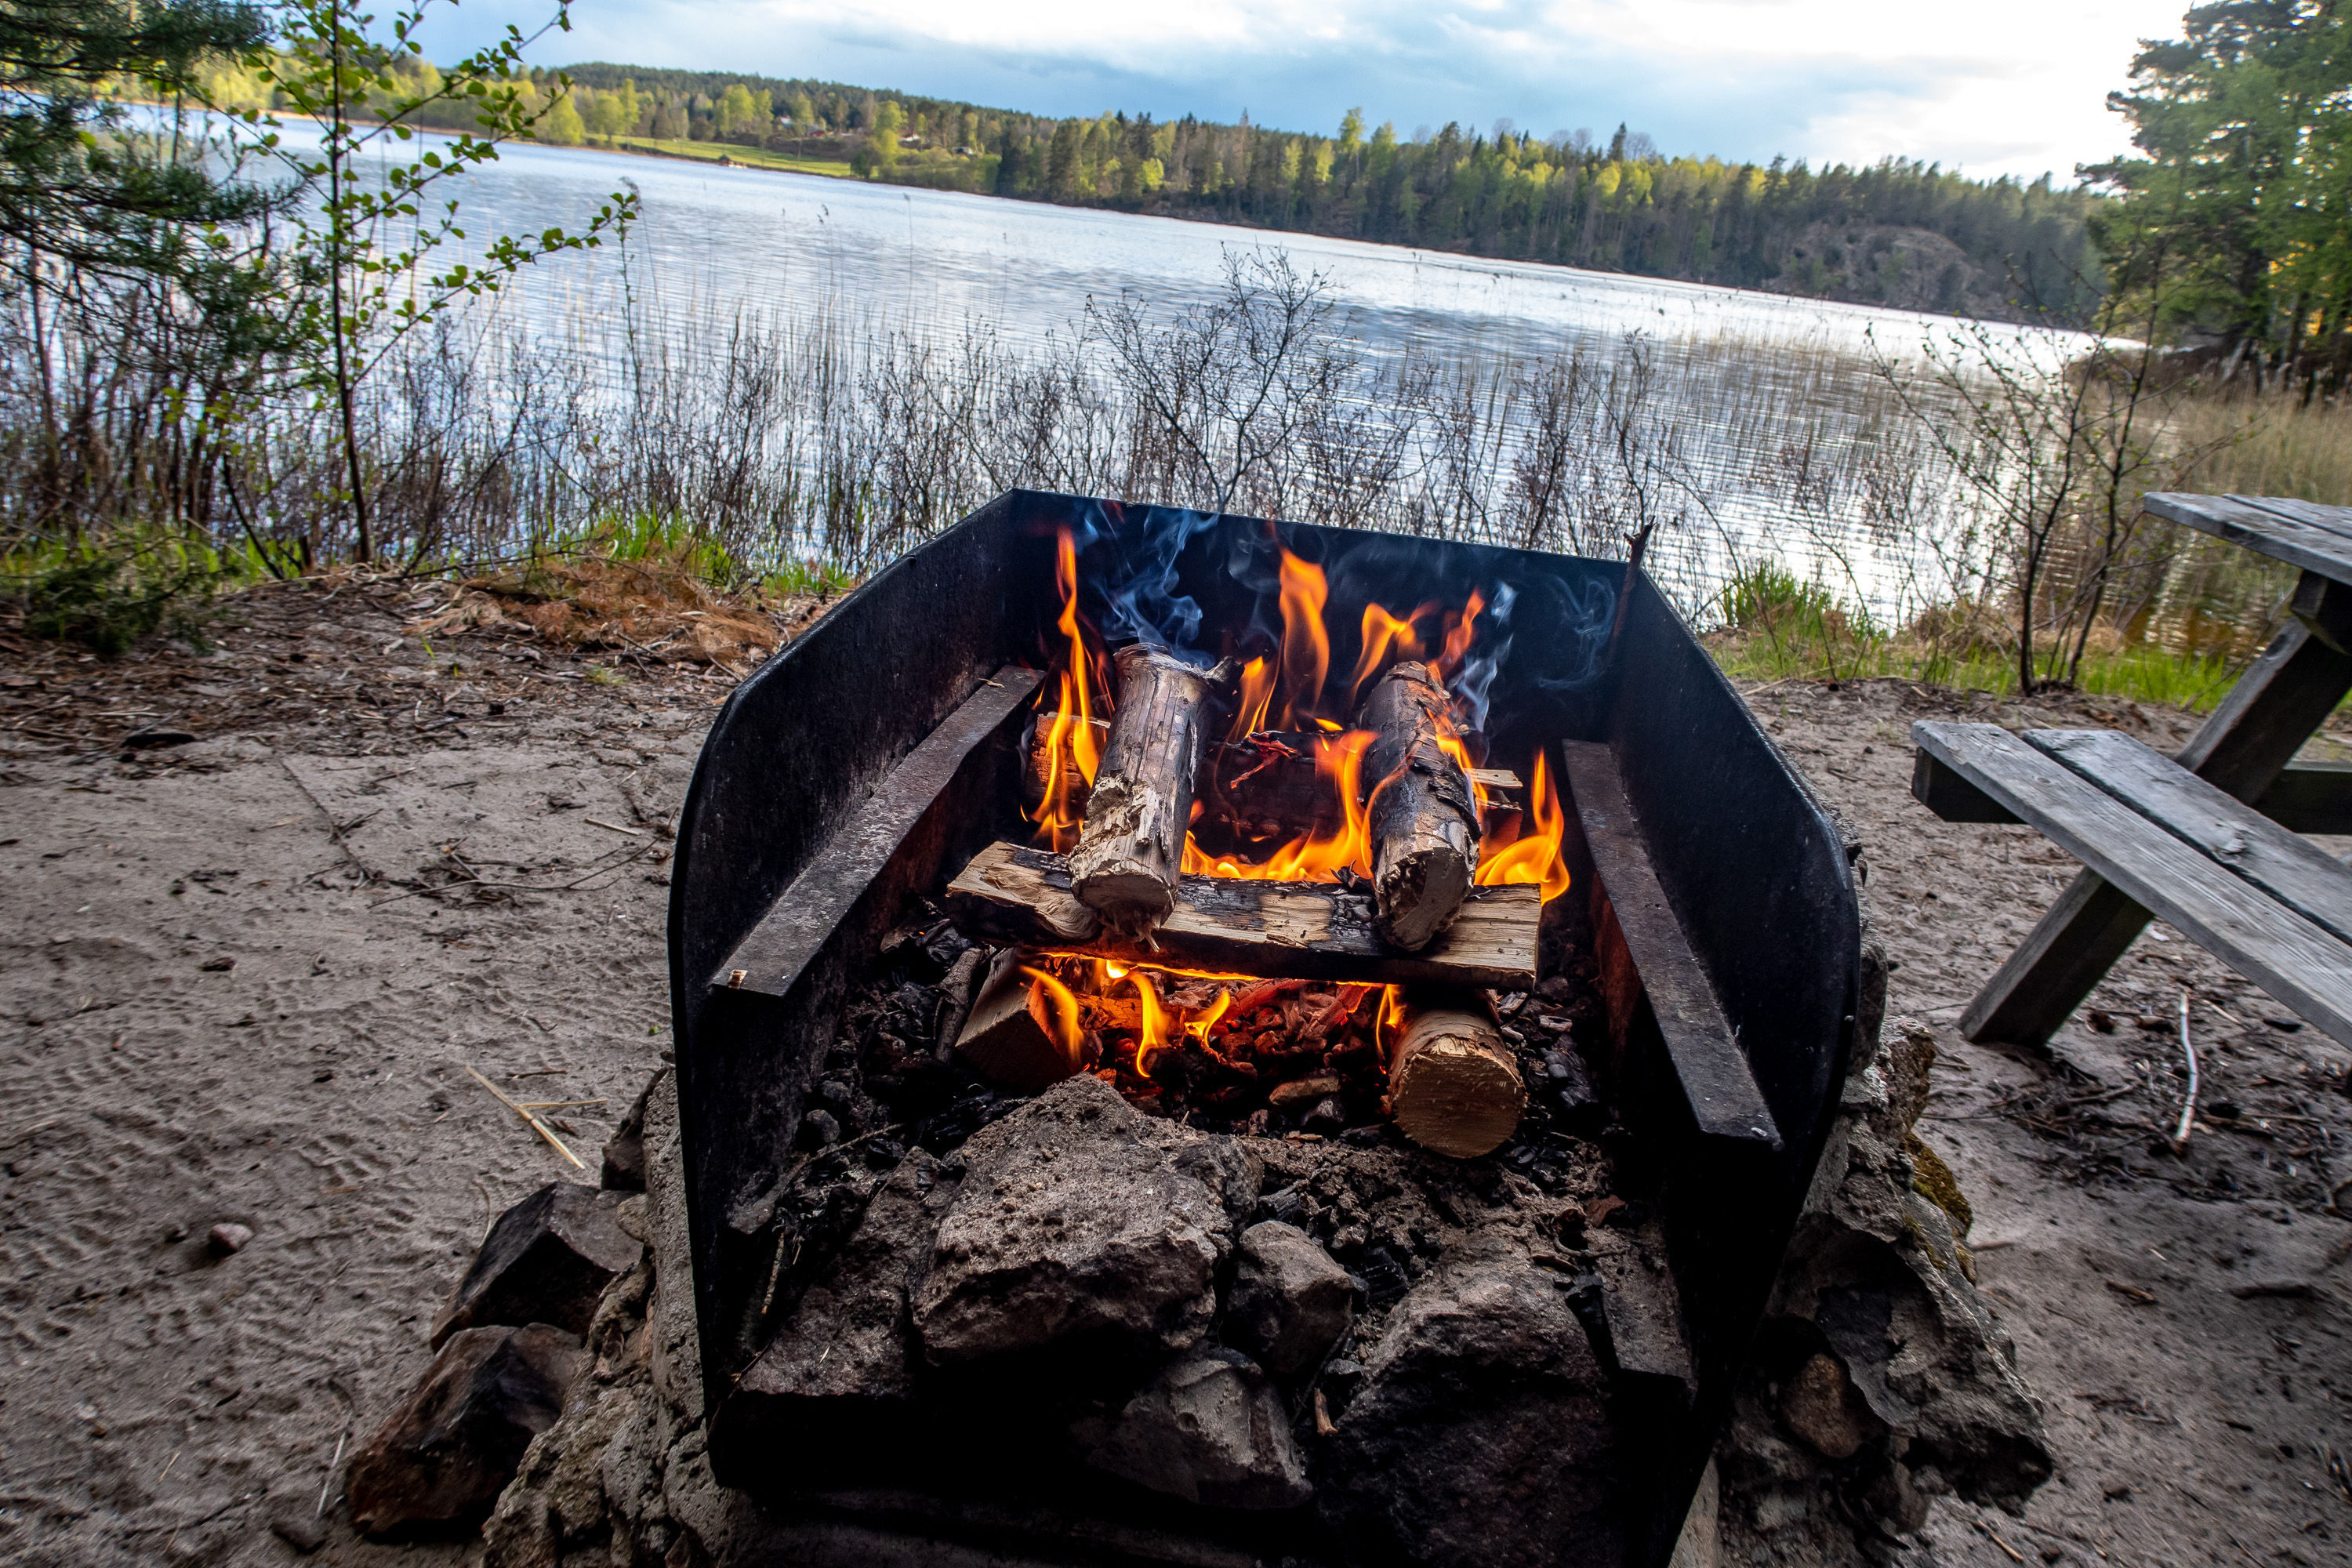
2014, 1555
334, 828
536, 1124
341, 1438
2189, 1107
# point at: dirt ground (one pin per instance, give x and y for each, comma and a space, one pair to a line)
245, 979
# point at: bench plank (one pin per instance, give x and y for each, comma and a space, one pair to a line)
2256, 527
2297, 961
2305, 877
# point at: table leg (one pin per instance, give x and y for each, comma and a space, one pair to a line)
2274, 708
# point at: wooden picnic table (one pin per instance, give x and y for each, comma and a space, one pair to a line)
2187, 845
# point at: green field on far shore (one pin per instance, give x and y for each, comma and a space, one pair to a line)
726, 152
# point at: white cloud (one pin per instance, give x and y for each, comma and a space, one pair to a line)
2004, 87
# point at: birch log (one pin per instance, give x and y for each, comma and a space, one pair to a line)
1131, 847
1423, 815
1454, 1082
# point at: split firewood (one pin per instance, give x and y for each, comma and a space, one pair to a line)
1422, 814
1004, 1039
1131, 848
1453, 1081
1307, 931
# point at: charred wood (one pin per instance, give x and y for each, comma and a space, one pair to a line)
1309, 930
1423, 815
1131, 849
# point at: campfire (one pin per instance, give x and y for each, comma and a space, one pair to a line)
1241, 1036
1363, 813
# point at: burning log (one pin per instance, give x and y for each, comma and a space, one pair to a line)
1453, 1081
1260, 788
1311, 931
1422, 815
1131, 848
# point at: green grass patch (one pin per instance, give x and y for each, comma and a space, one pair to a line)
108, 594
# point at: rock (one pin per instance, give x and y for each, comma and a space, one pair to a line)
545, 1261
1302, 1092
1482, 1432
1820, 1405
625, 1152
1648, 1336
226, 1238
1894, 1380
820, 1129
1082, 1217
1290, 1302
1209, 1429
439, 1461
846, 1359
299, 1528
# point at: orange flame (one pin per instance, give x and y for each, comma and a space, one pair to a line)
1306, 648
1318, 855
1073, 753
1058, 1015
1383, 631
1257, 691
1533, 858
1151, 1028
1458, 637
1199, 1027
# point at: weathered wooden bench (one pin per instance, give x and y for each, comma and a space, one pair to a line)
2273, 906
2206, 838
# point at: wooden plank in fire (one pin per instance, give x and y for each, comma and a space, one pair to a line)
1716, 1079
771, 957
1303, 930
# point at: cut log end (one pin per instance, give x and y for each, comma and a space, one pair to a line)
1454, 1083
1003, 1038
1420, 893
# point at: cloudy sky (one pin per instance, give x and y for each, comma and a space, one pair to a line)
1998, 87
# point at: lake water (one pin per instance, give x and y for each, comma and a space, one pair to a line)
1741, 373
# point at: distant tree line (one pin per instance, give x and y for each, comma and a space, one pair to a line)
1894, 232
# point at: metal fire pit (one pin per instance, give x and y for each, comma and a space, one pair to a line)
867, 761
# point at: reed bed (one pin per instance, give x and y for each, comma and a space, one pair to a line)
814, 445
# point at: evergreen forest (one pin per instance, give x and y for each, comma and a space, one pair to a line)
1896, 232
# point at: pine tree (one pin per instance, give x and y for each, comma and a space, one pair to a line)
77, 182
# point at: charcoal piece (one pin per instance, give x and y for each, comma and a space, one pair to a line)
1482, 1432
1083, 1220
1290, 1302
440, 1459
1285, 1205
1210, 1429
545, 1261
1327, 1118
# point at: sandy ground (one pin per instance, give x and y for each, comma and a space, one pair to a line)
164, 1405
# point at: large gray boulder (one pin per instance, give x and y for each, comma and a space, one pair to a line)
1209, 1429
1081, 1217
1482, 1432
1290, 1302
